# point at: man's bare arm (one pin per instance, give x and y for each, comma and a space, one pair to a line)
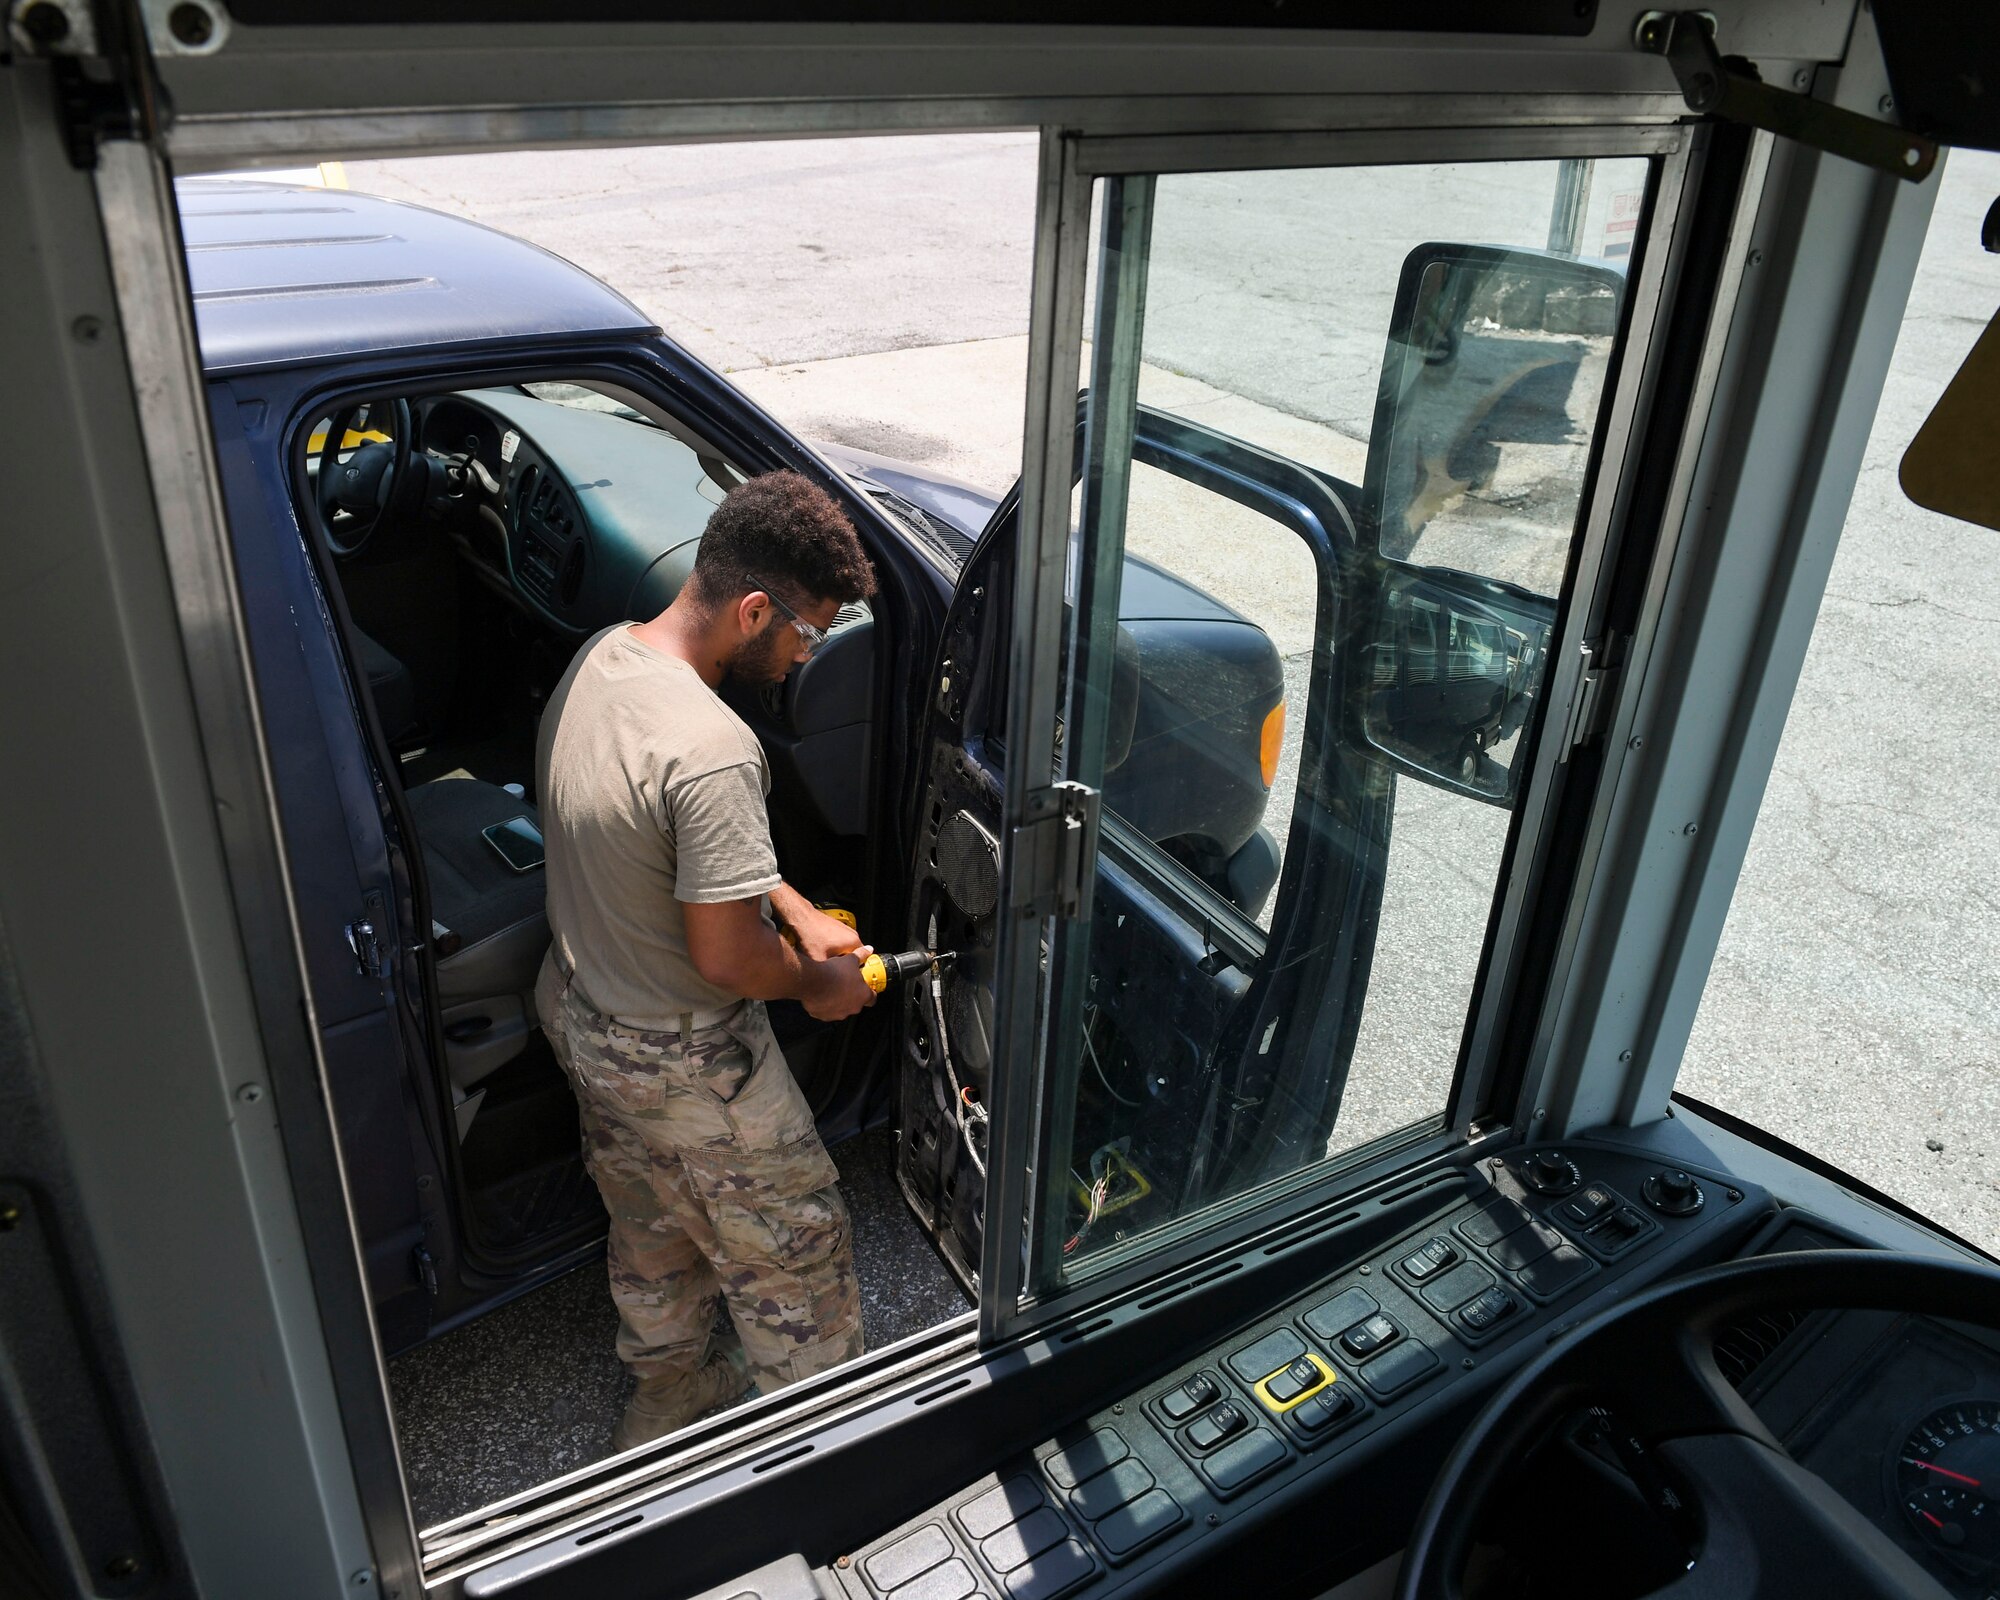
734, 948
820, 936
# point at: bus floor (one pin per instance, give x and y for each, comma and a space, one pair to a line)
532, 1390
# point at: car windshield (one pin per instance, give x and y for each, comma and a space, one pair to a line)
584, 398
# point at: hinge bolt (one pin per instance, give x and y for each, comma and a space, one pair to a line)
191, 24
46, 24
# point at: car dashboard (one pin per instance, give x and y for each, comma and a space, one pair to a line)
587, 517
1899, 1414
581, 517
1355, 1389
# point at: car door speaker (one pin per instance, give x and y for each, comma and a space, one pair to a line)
968, 865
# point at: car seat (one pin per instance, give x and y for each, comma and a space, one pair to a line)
393, 690
492, 929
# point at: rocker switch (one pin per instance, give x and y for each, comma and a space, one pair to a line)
1205, 1433
1363, 1339
1199, 1391
1587, 1207
1433, 1255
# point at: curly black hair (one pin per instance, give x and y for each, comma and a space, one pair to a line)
780, 530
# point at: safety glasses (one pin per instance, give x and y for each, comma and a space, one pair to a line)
810, 636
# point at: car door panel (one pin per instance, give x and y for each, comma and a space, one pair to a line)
325, 784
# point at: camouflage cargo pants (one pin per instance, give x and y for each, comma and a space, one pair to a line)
718, 1189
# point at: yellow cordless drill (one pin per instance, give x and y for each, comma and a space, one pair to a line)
879, 971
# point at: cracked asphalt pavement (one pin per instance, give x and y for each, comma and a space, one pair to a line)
1854, 1003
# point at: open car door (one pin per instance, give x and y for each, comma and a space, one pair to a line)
1188, 944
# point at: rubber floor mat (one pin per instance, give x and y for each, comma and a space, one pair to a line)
555, 1195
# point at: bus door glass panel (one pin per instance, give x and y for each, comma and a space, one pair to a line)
1347, 413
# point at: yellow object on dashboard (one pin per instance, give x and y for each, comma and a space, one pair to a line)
353, 439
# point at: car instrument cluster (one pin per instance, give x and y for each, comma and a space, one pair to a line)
1319, 1388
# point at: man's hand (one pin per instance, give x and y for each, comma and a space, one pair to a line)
836, 988
821, 937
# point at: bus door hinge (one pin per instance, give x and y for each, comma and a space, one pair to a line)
106, 84
1728, 88
1590, 706
1055, 852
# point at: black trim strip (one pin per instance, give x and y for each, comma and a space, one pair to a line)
1560, 18
1750, 1133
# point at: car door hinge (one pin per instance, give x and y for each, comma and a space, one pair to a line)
1728, 88
1590, 706
1055, 852
426, 1270
367, 948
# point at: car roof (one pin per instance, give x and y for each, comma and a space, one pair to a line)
284, 274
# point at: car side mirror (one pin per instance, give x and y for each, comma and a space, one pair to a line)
1455, 665
1476, 462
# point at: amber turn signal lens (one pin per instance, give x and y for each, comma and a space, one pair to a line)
1269, 741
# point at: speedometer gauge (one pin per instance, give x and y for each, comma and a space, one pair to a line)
1948, 1480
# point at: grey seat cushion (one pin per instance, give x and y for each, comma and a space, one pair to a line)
391, 687
499, 915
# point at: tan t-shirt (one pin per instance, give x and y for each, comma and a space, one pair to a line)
652, 796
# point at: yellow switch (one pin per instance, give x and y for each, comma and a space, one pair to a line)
1289, 1379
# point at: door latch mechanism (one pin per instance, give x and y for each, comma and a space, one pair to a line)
1727, 87
1590, 708
1055, 852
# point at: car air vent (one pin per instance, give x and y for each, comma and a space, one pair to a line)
570, 584
853, 611
536, 569
524, 491
1743, 1347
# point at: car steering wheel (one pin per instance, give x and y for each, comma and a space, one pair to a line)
361, 488
1756, 1524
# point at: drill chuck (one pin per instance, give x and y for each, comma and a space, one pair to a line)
879, 971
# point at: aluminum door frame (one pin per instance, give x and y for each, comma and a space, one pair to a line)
1022, 1025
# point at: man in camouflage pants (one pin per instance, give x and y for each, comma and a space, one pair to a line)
665, 904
